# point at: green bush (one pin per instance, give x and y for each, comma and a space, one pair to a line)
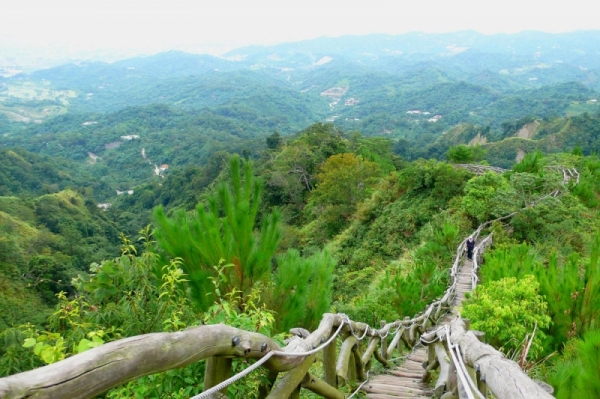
507, 311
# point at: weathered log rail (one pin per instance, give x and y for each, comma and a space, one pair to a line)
97, 370
473, 367
468, 367
479, 169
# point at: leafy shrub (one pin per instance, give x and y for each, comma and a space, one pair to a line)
506, 311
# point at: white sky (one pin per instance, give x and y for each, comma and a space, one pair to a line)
218, 25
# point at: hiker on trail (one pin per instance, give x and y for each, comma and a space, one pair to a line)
470, 247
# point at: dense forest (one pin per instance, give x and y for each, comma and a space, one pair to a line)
158, 193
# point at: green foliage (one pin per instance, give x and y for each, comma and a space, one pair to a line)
531, 163
529, 188
180, 383
291, 173
302, 289
343, 182
488, 196
274, 141
516, 260
401, 222
588, 189
507, 310
394, 236
414, 290
569, 286
44, 243
14, 358
203, 238
561, 220
256, 316
86, 233
291, 289
376, 149
576, 374
27, 174
50, 347
465, 154
406, 287
119, 298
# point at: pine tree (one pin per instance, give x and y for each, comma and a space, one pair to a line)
204, 239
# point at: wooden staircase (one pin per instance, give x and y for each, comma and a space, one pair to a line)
405, 381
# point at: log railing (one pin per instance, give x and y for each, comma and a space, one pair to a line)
95, 371
99, 369
467, 366
479, 169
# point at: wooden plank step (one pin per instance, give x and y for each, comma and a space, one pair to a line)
410, 370
397, 379
386, 396
391, 389
407, 374
405, 380
414, 384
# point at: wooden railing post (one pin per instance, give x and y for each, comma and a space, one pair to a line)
445, 370
265, 388
329, 362
218, 369
352, 369
345, 362
383, 342
320, 387
431, 363
290, 383
452, 383
406, 335
395, 343
399, 335
367, 357
358, 364
481, 385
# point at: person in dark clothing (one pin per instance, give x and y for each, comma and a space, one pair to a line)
470, 247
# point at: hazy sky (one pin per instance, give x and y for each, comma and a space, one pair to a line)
218, 25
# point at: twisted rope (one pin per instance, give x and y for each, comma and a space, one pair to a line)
209, 392
264, 359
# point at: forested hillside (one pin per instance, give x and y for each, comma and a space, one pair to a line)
267, 187
388, 243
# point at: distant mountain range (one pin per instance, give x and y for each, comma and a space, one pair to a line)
410, 88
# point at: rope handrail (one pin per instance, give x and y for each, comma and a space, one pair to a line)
264, 359
459, 371
400, 323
